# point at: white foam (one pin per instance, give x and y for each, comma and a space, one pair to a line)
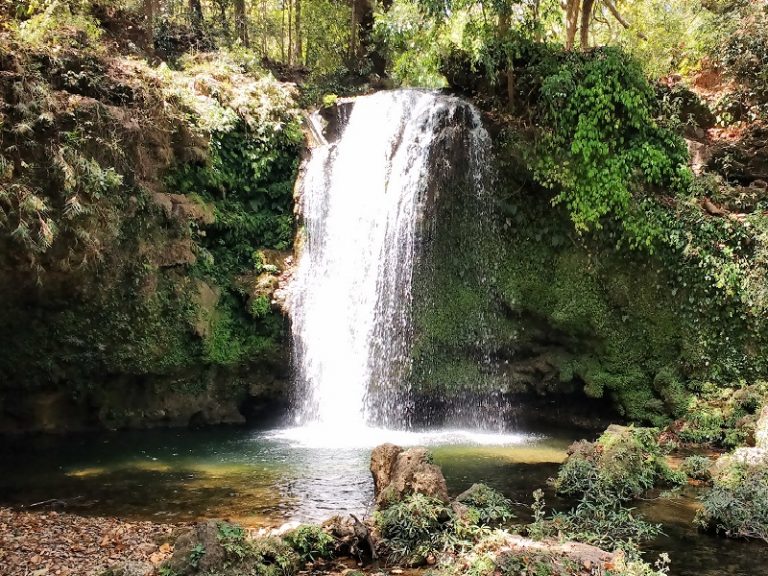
364, 437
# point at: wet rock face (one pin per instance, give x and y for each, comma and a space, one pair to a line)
398, 473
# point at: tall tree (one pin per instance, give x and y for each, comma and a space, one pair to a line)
241, 22
290, 31
586, 19
579, 15
222, 5
149, 22
196, 15
297, 58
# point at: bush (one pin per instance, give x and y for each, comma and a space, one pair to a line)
310, 542
415, 528
622, 465
737, 504
486, 506
697, 468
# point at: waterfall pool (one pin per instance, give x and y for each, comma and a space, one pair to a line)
262, 478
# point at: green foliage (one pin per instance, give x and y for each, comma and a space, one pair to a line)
262, 556
486, 506
607, 525
57, 23
412, 43
743, 50
600, 144
623, 464
119, 267
418, 529
697, 468
197, 553
414, 528
737, 504
311, 542
723, 416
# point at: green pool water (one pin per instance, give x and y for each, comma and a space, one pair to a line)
267, 478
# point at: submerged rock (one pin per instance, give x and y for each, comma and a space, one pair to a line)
398, 473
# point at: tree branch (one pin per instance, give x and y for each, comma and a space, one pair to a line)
616, 14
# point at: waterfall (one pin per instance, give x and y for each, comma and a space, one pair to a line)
366, 201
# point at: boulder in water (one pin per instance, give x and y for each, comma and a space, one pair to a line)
398, 473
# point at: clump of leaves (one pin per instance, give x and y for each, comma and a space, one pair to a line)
722, 416
697, 468
737, 504
311, 542
486, 506
622, 465
414, 528
601, 144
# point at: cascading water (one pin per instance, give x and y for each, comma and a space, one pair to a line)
366, 202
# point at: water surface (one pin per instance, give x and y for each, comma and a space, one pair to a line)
267, 478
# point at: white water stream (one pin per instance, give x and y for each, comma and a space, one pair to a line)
363, 203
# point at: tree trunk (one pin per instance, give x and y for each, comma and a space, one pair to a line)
297, 18
149, 23
504, 25
264, 49
196, 15
571, 22
282, 32
290, 32
241, 22
586, 20
223, 20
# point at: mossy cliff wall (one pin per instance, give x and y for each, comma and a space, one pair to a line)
145, 215
512, 304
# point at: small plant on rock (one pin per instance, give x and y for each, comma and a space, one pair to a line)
311, 542
697, 468
737, 504
414, 529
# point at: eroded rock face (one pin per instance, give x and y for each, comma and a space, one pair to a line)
398, 473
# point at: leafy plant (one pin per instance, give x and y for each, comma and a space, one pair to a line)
600, 143
486, 506
414, 528
697, 468
620, 466
737, 504
196, 555
311, 542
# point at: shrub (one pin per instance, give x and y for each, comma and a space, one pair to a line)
620, 466
414, 528
697, 468
486, 506
310, 542
737, 504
